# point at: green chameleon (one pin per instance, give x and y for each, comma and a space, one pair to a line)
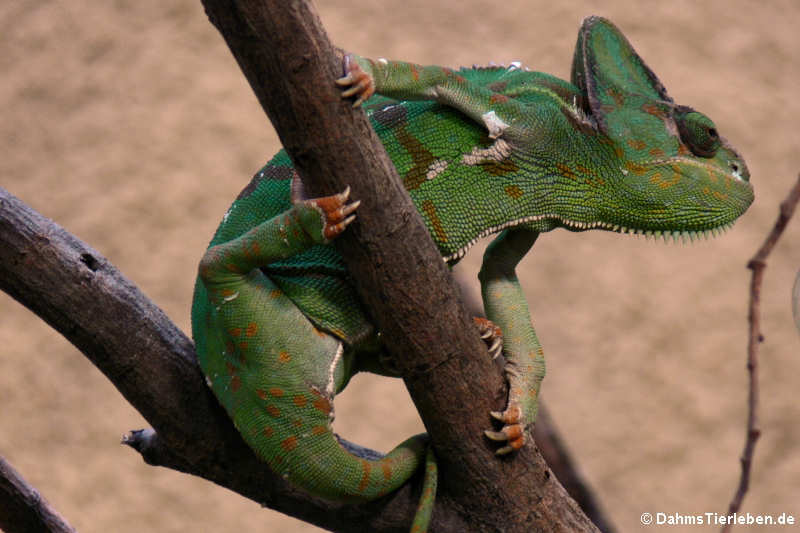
278, 327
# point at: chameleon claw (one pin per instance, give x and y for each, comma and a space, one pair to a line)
349, 208
505, 450
491, 334
344, 195
333, 230
512, 435
496, 348
495, 435
497, 415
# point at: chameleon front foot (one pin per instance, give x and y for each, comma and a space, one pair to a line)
334, 211
358, 82
491, 335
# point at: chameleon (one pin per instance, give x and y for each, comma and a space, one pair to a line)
278, 327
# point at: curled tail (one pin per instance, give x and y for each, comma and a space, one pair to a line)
276, 374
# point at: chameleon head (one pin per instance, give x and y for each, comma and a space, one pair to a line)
665, 169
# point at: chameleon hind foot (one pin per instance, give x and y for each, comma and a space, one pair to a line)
356, 81
513, 432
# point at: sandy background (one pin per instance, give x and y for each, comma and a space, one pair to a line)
130, 125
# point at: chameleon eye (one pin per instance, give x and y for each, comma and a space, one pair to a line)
698, 132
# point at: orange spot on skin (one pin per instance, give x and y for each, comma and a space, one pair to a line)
323, 405
274, 293
637, 144
284, 356
243, 346
297, 423
319, 430
276, 392
430, 211
367, 468
655, 110
497, 98
299, 400
665, 183
414, 72
590, 176
273, 411
565, 171
235, 332
387, 470
656, 152
261, 394
289, 443
514, 192
226, 292
252, 329
236, 383
637, 169
619, 100
268, 432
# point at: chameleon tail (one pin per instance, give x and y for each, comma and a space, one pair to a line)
276, 374
422, 517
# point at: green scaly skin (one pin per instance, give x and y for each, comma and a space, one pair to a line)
278, 327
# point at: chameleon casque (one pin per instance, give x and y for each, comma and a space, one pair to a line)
277, 324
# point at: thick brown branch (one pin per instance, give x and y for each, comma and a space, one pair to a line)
23, 509
758, 264
290, 64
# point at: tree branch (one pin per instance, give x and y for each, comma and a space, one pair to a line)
757, 265
23, 509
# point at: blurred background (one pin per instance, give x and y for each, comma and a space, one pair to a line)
129, 123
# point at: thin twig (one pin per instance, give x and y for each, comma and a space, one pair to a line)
757, 264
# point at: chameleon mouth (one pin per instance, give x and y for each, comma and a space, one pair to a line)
676, 236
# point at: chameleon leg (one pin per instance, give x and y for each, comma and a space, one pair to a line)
505, 305
276, 374
408, 81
